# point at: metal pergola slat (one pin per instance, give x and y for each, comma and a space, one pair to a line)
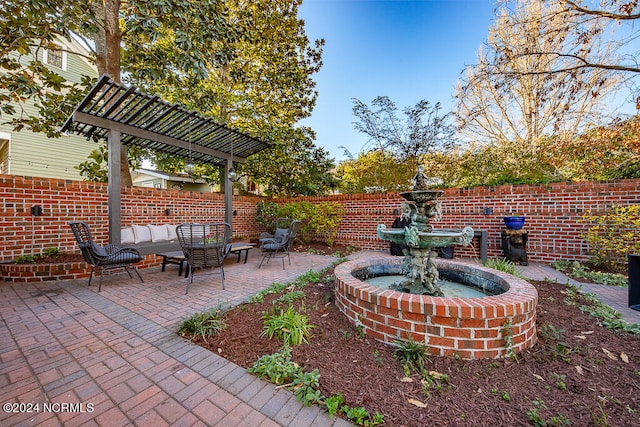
124, 116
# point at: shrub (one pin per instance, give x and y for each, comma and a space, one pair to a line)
321, 220
614, 235
204, 324
267, 214
290, 326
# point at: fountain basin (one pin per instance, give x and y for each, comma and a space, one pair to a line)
471, 328
425, 239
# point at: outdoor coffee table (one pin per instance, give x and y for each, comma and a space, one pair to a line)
237, 248
175, 257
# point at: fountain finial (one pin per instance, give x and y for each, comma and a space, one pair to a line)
420, 180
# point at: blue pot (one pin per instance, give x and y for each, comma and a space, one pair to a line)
514, 222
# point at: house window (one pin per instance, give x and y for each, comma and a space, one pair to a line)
55, 57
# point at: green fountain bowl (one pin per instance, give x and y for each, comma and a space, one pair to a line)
413, 238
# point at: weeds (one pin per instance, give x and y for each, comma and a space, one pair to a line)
411, 355
204, 324
578, 270
504, 265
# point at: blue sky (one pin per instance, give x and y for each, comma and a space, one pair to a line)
407, 50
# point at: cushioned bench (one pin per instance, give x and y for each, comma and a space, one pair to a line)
151, 239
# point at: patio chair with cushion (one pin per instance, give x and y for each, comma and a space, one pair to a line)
278, 246
204, 246
104, 258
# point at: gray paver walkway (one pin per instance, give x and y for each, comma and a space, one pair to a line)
116, 358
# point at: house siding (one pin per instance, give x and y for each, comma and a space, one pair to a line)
33, 153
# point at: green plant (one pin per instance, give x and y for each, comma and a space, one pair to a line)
289, 326
274, 288
267, 214
52, 252
507, 333
306, 387
204, 324
278, 367
607, 316
578, 270
289, 297
26, 259
321, 219
560, 380
550, 332
504, 265
411, 354
505, 396
333, 404
613, 234
356, 414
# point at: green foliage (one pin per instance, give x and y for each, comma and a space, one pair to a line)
411, 354
52, 252
504, 265
278, 368
539, 421
26, 259
614, 234
288, 298
374, 171
306, 388
507, 333
95, 167
318, 219
578, 270
333, 404
274, 288
290, 326
607, 316
560, 380
204, 324
267, 214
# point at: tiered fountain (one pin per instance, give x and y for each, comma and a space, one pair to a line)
499, 321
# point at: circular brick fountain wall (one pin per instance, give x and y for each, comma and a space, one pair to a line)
471, 328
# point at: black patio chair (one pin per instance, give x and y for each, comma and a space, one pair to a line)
104, 258
204, 246
278, 246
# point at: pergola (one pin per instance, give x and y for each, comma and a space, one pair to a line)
125, 116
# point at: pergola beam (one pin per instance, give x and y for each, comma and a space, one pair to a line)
88, 119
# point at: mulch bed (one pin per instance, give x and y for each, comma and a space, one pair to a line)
577, 373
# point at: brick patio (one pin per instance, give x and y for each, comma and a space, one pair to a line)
117, 351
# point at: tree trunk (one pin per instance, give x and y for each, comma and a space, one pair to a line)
108, 39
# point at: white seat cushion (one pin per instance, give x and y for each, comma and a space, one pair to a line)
141, 233
159, 233
126, 236
171, 231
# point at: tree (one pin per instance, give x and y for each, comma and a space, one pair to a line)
374, 171
513, 98
27, 27
296, 167
424, 129
260, 82
590, 19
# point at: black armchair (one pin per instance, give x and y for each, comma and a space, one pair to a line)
109, 257
278, 246
204, 245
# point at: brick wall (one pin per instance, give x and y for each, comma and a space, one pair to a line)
65, 200
553, 213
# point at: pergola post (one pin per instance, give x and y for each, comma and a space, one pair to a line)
228, 194
113, 189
